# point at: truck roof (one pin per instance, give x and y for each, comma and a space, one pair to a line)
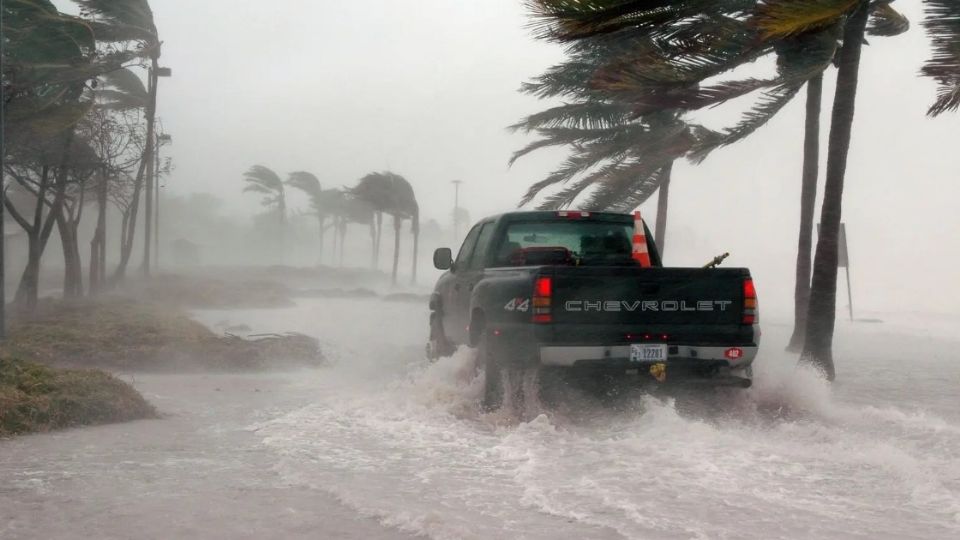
558, 214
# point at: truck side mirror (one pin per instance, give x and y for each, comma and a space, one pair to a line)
443, 259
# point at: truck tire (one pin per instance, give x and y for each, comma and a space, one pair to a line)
438, 345
507, 382
493, 375
503, 378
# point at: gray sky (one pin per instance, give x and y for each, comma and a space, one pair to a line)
426, 89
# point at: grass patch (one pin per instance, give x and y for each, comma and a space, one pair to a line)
36, 398
123, 334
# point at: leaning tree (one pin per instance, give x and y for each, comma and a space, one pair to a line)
390, 193
265, 181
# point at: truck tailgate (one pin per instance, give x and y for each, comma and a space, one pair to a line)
640, 297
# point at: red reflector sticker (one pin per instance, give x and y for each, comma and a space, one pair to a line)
734, 354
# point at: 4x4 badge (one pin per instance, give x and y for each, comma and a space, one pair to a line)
518, 304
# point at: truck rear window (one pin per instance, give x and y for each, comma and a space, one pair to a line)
573, 242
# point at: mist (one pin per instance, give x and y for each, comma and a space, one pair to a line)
280, 369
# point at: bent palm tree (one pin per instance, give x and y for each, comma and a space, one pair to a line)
885, 22
632, 89
404, 207
310, 185
376, 190
387, 192
260, 179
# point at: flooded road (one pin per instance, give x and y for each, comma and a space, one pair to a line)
382, 444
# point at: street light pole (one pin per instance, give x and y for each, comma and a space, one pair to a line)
456, 210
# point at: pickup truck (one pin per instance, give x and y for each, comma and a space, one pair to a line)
561, 296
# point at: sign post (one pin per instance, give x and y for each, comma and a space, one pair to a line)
843, 261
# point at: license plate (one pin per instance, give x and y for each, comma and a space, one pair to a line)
648, 352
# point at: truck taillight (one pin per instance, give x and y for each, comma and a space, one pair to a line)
572, 214
542, 292
749, 302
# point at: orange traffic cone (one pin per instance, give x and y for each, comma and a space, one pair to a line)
640, 253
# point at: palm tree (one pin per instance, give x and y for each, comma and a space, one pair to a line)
632, 89
404, 207
387, 192
376, 190
348, 209
884, 22
319, 199
260, 179
821, 313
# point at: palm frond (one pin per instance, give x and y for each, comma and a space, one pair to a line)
621, 182
257, 188
114, 32
641, 191
942, 21
583, 115
135, 13
569, 169
119, 101
886, 21
125, 80
569, 20
306, 182
766, 108
784, 18
262, 176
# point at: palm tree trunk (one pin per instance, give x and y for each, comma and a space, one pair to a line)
663, 200
320, 250
808, 199
397, 223
821, 314
376, 244
373, 242
415, 225
148, 152
343, 238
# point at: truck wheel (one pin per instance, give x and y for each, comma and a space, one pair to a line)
438, 346
493, 376
507, 384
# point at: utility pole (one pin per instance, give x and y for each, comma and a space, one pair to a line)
456, 210
155, 73
3, 194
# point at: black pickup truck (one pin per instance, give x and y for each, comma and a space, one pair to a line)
562, 293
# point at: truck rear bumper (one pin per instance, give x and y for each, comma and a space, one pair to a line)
616, 355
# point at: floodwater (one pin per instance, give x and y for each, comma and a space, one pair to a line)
383, 444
